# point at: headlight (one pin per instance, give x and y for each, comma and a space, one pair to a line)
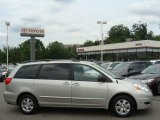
147, 81
140, 87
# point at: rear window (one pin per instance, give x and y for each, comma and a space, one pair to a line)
27, 72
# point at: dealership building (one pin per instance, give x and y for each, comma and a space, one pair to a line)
126, 51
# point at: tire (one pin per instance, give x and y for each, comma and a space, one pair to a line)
28, 104
158, 88
122, 106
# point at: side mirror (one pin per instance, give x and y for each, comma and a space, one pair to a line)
102, 79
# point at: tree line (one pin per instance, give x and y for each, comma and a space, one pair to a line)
120, 33
57, 50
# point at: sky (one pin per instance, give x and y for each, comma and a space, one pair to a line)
74, 21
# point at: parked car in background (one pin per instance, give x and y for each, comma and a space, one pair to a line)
150, 76
127, 69
4, 71
155, 61
109, 65
66, 83
10, 69
1, 76
98, 62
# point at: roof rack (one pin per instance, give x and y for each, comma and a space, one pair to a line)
47, 60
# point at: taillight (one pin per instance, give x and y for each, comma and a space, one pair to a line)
8, 80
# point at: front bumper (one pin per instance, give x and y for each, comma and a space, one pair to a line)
144, 99
144, 103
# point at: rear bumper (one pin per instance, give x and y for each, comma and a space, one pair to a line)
10, 98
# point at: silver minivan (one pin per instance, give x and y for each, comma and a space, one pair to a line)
68, 83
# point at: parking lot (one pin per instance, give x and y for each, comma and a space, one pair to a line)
9, 112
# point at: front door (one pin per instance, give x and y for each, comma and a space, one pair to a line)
86, 90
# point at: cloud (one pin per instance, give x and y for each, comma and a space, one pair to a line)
2, 34
64, 1
2, 43
145, 11
146, 8
32, 18
72, 30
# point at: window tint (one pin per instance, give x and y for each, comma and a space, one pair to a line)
27, 72
134, 66
152, 70
54, 72
113, 65
85, 73
142, 65
158, 62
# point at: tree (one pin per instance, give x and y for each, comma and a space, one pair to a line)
56, 50
14, 55
25, 50
97, 42
72, 51
40, 50
2, 56
88, 43
157, 37
118, 33
139, 31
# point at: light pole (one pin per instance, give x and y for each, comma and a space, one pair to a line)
7, 25
102, 42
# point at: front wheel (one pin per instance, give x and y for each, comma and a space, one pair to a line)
122, 106
28, 104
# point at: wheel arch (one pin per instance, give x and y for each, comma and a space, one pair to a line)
121, 94
25, 93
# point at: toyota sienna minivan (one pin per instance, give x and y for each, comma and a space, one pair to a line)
76, 84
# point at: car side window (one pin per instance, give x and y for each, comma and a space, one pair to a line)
133, 67
27, 72
158, 62
142, 66
85, 73
56, 71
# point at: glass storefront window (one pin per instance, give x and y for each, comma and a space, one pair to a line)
149, 49
141, 55
123, 54
132, 50
141, 50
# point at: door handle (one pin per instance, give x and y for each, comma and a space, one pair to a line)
76, 84
66, 83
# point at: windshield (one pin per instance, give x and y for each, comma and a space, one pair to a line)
105, 65
121, 66
108, 72
152, 70
113, 65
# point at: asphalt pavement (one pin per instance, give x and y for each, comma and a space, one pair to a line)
10, 112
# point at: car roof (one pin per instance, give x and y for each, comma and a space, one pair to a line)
138, 62
55, 61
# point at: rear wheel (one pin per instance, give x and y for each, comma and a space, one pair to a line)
28, 104
122, 106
